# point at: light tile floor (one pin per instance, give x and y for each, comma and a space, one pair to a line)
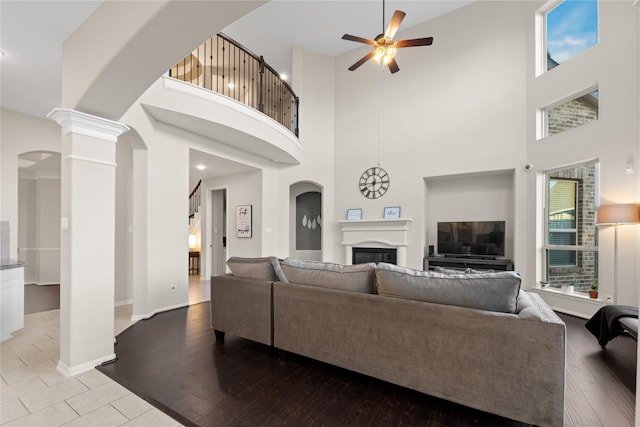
33, 393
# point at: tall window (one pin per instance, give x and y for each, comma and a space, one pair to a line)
571, 251
571, 27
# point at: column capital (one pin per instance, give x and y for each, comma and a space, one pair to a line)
73, 121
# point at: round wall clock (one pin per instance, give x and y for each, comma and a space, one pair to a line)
374, 182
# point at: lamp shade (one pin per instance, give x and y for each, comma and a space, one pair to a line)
618, 214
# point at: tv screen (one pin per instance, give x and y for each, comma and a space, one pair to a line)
481, 238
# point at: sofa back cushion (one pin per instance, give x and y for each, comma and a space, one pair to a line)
353, 278
484, 291
265, 268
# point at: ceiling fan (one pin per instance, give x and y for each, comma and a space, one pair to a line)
384, 48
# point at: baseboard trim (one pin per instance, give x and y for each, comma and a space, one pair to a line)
137, 317
71, 371
123, 302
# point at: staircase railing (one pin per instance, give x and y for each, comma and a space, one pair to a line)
194, 200
222, 65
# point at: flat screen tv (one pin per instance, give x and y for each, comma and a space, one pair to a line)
471, 238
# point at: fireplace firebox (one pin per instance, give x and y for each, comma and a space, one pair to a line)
364, 255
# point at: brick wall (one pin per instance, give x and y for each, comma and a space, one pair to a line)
569, 115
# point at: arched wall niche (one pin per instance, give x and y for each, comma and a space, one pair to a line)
306, 226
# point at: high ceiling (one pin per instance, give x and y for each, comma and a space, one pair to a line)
32, 34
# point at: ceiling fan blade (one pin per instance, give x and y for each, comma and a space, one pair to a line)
364, 59
393, 66
415, 42
357, 39
394, 24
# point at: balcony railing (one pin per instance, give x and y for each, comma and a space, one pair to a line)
222, 65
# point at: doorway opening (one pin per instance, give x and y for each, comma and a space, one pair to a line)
39, 195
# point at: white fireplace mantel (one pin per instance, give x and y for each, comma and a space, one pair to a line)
376, 233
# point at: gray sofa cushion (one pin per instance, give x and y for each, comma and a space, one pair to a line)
265, 268
353, 278
484, 291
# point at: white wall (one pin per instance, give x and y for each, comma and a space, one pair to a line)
39, 228
48, 230
613, 139
456, 107
27, 251
161, 190
242, 189
160, 213
124, 223
19, 134
315, 86
470, 198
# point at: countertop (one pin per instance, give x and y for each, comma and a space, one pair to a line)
6, 264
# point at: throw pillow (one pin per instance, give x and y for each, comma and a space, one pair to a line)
265, 268
353, 278
484, 291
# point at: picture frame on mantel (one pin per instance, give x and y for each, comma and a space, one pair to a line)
354, 214
243, 221
391, 212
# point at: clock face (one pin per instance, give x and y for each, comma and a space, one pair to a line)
374, 182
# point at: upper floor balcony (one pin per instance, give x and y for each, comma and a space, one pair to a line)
222, 65
225, 93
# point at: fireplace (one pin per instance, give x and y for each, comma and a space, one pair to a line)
364, 255
376, 234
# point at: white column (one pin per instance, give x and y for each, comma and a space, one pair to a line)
87, 239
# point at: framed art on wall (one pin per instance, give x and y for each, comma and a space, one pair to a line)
243, 221
392, 212
354, 214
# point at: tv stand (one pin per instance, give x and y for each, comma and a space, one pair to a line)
469, 256
463, 262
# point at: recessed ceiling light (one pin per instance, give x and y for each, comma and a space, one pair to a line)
231, 85
201, 167
1, 53
283, 76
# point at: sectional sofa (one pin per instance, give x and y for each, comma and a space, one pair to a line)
474, 338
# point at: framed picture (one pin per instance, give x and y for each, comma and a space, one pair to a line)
354, 214
392, 212
243, 221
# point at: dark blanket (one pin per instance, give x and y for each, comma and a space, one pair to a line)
604, 324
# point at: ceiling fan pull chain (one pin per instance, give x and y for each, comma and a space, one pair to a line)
383, 8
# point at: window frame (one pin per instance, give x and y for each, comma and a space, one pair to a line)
543, 113
579, 247
541, 28
572, 231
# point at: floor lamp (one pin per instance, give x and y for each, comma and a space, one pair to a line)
617, 215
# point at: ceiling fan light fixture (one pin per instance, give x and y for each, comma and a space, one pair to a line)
380, 53
384, 48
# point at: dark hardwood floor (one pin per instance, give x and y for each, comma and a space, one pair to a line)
173, 361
